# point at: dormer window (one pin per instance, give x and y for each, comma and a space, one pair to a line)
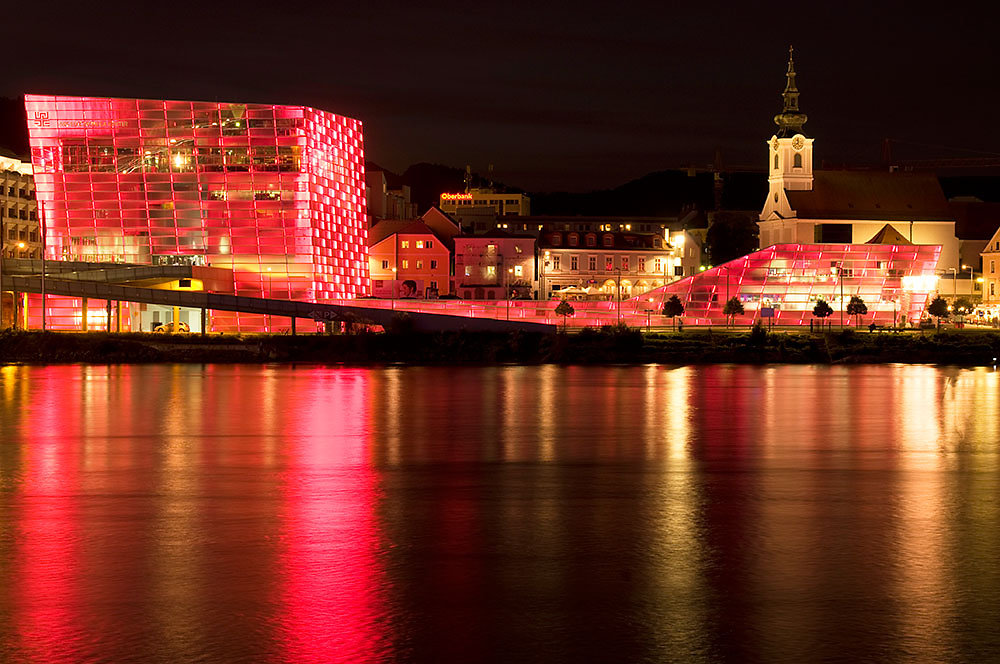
574, 239
591, 240
609, 240
556, 239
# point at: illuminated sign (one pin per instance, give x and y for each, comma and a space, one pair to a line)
456, 197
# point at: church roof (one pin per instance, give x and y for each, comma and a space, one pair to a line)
875, 195
888, 235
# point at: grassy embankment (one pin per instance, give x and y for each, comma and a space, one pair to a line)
607, 346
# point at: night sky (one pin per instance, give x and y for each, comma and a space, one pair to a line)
571, 96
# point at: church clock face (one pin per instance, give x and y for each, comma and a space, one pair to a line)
798, 142
774, 144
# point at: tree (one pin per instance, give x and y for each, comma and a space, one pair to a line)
963, 306
857, 307
938, 307
565, 309
822, 309
731, 235
733, 308
673, 307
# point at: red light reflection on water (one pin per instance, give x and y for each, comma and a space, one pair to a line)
332, 577
47, 550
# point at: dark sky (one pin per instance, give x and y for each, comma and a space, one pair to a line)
567, 95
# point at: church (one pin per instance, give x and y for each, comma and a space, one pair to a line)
810, 206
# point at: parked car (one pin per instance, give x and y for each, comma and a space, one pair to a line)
167, 328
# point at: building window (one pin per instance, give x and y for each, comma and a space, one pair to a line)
405, 244
592, 263
556, 239
609, 241
555, 262
434, 265
406, 264
657, 265
609, 263
993, 267
624, 262
591, 240
993, 291
775, 162
420, 265
573, 263
574, 239
678, 270
468, 270
385, 265
420, 244
491, 270
642, 264
518, 270
429, 244
797, 160
434, 285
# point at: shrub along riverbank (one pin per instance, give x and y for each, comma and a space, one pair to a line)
610, 345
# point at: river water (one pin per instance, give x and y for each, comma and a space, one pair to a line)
520, 514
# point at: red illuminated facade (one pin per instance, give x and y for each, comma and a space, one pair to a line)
274, 193
785, 281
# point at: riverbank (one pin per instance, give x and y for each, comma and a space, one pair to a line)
607, 346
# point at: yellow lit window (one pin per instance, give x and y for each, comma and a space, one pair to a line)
420, 244
405, 244
406, 264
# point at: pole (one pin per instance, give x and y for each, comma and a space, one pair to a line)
41, 223
840, 274
618, 288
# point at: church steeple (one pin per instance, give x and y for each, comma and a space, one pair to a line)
790, 120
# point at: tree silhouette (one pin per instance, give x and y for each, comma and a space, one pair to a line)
672, 308
963, 305
857, 307
938, 307
565, 309
733, 308
822, 310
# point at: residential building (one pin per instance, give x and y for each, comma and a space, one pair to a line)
19, 229
991, 274
409, 259
600, 265
275, 194
495, 265
385, 202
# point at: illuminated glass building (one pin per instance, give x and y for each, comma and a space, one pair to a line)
276, 194
785, 281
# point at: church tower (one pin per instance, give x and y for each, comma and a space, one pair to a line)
789, 152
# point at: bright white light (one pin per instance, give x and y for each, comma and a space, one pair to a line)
920, 283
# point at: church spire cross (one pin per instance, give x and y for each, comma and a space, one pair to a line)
790, 120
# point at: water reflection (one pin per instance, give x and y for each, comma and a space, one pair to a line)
173, 513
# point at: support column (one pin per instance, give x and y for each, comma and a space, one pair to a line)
24, 311
204, 321
107, 307
118, 316
176, 319
83, 317
293, 326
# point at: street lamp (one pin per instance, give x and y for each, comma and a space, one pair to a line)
506, 289
972, 287
392, 290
